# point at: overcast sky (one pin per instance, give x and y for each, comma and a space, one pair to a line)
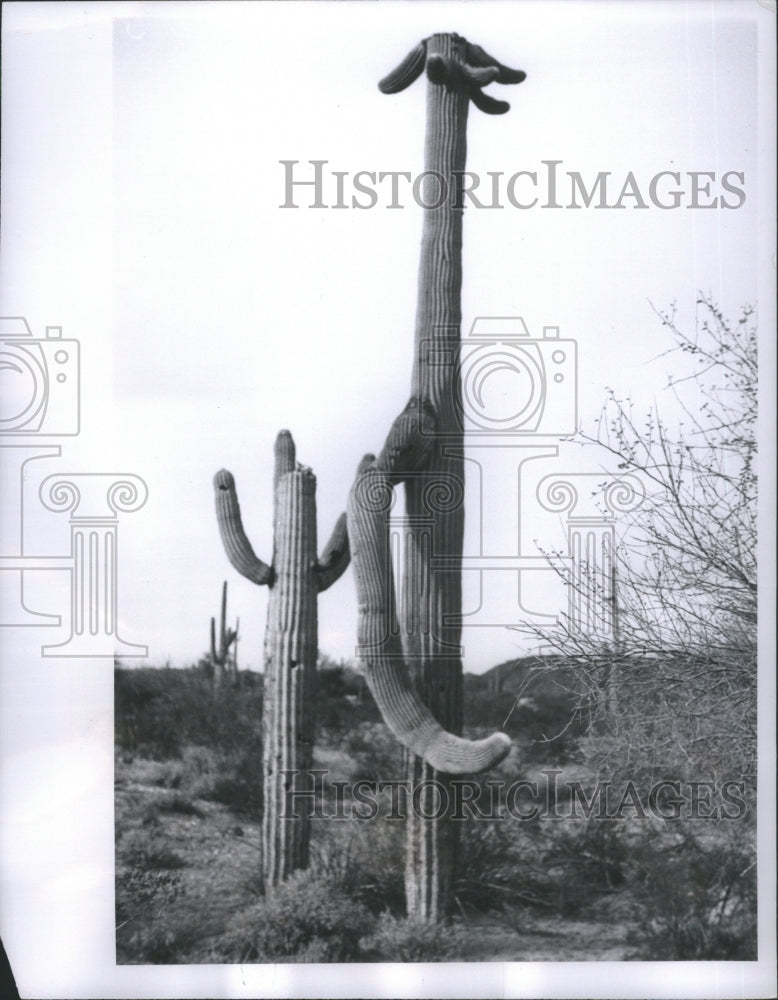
142, 196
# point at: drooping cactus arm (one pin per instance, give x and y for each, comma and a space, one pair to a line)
477, 69
409, 70
236, 544
476, 56
386, 672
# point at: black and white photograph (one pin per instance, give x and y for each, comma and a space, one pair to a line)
388, 499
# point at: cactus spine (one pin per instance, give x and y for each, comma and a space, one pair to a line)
222, 662
294, 578
425, 450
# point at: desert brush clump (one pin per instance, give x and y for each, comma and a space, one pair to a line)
694, 894
308, 918
408, 939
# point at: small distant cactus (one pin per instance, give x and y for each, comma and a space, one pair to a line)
294, 579
223, 662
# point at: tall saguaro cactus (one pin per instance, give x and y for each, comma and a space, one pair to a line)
425, 451
294, 577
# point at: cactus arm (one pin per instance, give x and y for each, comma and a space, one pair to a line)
213, 640
480, 76
475, 56
386, 672
416, 418
409, 70
335, 557
488, 104
409, 440
387, 675
236, 544
472, 67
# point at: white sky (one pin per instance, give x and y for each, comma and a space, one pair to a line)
141, 212
140, 196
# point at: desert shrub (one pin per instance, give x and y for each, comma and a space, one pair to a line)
190, 771
534, 700
377, 755
139, 890
143, 933
179, 805
554, 865
365, 859
237, 783
239, 787
159, 711
343, 700
170, 937
404, 939
142, 849
233, 778
501, 863
307, 919
695, 896
584, 859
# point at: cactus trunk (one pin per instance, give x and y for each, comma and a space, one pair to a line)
424, 450
290, 677
433, 646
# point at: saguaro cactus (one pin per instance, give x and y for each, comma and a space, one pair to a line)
294, 577
220, 654
425, 450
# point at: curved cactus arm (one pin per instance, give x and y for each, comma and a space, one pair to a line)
335, 557
409, 440
476, 56
386, 673
409, 70
488, 104
471, 68
236, 544
480, 76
